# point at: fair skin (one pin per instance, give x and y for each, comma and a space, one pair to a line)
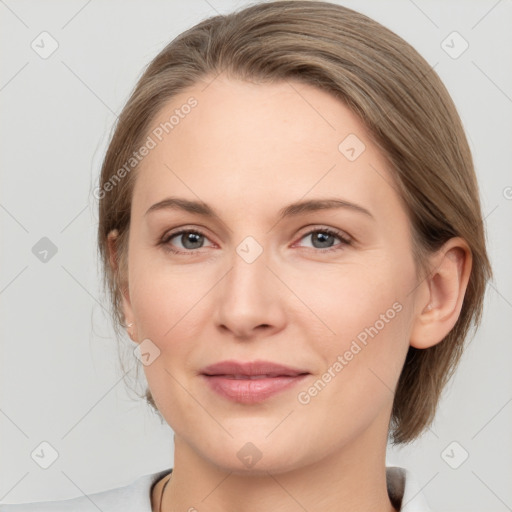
248, 151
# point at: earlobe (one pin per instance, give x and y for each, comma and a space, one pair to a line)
442, 294
130, 330
126, 304
112, 239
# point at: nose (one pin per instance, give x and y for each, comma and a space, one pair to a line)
250, 299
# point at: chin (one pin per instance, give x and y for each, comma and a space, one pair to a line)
262, 467
241, 456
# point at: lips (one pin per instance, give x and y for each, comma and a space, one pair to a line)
251, 377
251, 369
251, 382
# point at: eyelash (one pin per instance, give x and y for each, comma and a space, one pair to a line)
192, 252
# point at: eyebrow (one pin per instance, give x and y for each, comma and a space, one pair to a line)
291, 210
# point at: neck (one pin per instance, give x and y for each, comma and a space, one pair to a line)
352, 478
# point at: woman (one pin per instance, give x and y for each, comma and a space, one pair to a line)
291, 234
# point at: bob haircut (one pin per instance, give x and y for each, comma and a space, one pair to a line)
406, 109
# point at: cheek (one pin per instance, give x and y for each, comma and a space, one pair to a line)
360, 324
361, 366
169, 311
164, 296
346, 299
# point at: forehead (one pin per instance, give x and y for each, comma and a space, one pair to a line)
258, 142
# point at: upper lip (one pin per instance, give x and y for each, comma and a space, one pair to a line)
251, 368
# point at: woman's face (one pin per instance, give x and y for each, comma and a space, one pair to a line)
324, 289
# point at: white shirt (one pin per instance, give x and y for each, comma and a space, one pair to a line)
136, 497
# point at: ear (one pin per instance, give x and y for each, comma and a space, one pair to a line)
112, 240
441, 294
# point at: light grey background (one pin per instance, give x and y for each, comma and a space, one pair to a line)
60, 378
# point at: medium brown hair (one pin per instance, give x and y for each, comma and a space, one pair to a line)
406, 110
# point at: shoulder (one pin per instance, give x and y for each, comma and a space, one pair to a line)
135, 497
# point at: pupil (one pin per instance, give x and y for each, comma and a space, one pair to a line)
192, 238
322, 238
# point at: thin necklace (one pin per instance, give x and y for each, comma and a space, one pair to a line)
162, 495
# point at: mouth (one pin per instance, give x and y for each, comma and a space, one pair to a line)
252, 377
258, 368
251, 382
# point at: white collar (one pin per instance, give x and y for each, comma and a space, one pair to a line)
404, 491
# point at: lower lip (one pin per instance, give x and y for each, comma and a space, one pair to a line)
250, 391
